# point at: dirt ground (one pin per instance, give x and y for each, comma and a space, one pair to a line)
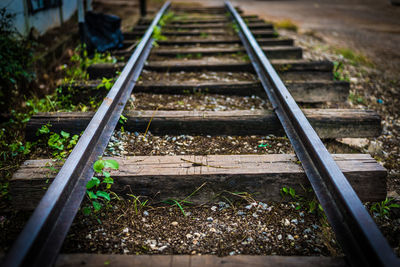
371, 27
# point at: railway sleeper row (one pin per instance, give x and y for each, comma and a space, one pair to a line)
163, 177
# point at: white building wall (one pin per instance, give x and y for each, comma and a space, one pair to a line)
41, 20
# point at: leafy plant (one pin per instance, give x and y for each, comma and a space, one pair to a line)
356, 99
235, 27
80, 61
286, 24
157, 36
14, 149
353, 57
166, 18
180, 203
98, 189
203, 35
16, 58
137, 203
106, 83
338, 72
308, 202
383, 208
60, 144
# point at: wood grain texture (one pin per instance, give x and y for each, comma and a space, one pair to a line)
163, 177
328, 123
214, 32
218, 25
302, 91
94, 260
202, 21
261, 41
272, 52
288, 69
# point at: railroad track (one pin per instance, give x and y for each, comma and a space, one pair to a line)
203, 45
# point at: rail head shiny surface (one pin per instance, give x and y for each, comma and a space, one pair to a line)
43, 235
355, 230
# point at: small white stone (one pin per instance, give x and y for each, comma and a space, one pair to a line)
162, 248
174, 223
279, 237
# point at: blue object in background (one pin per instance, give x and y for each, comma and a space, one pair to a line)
102, 32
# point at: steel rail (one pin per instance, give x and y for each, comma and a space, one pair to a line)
41, 239
355, 230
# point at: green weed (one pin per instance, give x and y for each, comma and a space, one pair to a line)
203, 35
307, 201
106, 83
181, 203
338, 72
356, 99
157, 36
382, 209
235, 27
166, 18
60, 145
98, 189
353, 57
137, 203
80, 61
286, 24
16, 64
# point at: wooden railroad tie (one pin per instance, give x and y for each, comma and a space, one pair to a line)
328, 123
297, 69
164, 177
302, 91
94, 260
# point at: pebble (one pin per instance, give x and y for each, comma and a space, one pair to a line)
287, 223
263, 205
290, 237
279, 237
145, 213
174, 223
210, 219
162, 248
